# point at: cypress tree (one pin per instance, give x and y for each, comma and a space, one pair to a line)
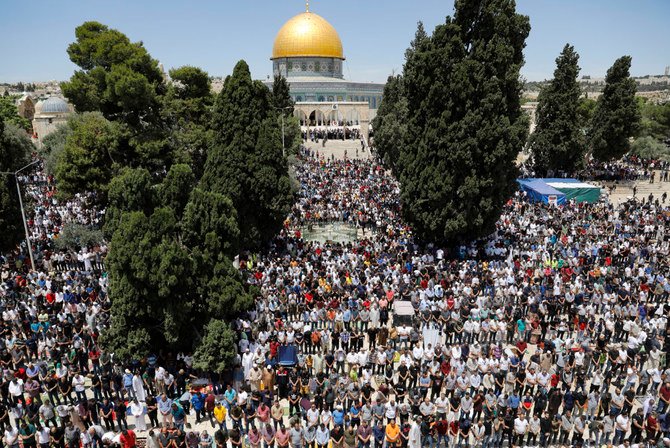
465, 126
281, 96
390, 124
247, 164
558, 142
617, 115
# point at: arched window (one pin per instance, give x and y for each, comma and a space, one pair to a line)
331, 98
374, 102
321, 98
298, 98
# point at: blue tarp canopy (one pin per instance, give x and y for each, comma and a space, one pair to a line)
538, 191
287, 355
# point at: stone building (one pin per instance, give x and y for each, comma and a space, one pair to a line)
49, 114
26, 107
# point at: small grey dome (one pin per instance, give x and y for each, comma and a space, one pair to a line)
53, 105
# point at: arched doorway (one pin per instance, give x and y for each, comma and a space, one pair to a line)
353, 118
316, 118
301, 115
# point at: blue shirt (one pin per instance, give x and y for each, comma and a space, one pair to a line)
338, 417
230, 395
198, 401
127, 380
513, 401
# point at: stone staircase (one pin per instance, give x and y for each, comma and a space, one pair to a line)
624, 190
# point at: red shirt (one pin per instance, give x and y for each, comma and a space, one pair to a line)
210, 402
665, 392
652, 423
128, 440
441, 426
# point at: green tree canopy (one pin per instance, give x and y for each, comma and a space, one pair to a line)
650, 148
74, 236
117, 77
587, 107
130, 191
281, 96
122, 81
465, 124
617, 115
217, 351
655, 119
247, 164
191, 83
89, 155
558, 142
390, 124
210, 225
176, 188
141, 143
15, 148
186, 113
150, 282
10, 113
53, 146
240, 107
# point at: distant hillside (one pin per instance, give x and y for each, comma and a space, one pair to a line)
648, 83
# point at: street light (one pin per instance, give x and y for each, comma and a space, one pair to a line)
23, 213
283, 145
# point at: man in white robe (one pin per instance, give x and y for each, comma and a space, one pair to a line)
247, 363
138, 387
137, 410
415, 434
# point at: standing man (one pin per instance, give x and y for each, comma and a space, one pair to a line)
392, 434
621, 427
297, 435
415, 433
520, 429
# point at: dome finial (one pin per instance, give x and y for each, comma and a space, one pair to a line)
306, 5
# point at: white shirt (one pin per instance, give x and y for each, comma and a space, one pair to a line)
16, 387
78, 383
520, 426
622, 422
313, 416
11, 436
391, 410
43, 435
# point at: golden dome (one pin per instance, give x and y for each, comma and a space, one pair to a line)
307, 34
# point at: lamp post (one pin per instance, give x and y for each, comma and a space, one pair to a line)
23, 213
283, 145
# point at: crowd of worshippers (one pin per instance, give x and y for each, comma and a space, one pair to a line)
630, 168
335, 132
552, 331
624, 171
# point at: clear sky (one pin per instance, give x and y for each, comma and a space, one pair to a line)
214, 35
